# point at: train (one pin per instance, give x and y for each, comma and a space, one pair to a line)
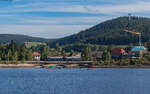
60, 58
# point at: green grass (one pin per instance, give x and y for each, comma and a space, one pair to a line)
122, 46
34, 44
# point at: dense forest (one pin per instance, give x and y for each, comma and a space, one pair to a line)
111, 32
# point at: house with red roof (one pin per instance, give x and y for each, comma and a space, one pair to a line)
37, 56
118, 52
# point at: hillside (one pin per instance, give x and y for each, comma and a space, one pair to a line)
111, 32
5, 38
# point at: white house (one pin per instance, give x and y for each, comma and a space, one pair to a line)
37, 56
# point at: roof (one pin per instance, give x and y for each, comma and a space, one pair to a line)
73, 57
62, 57
36, 53
117, 51
138, 48
97, 52
54, 57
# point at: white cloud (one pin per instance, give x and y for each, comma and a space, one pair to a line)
64, 7
66, 20
54, 27
136, 7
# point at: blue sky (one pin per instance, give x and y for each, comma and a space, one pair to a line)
60, 18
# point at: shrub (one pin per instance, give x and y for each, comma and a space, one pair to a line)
124, 61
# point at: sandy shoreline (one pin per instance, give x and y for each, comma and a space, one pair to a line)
122, 66
18, 65
71, 66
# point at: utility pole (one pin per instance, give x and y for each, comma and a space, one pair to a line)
8, 56
129, 15
140, 38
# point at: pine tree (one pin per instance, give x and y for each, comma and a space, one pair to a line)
45, 52
71, 53
22, 56
57, 47
87, 54
63, 53
90, 58
106, 56
55, 53
96, 48
29, 56
15, 56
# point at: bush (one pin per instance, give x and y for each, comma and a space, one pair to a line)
107, 62
101, 62
125, 62
95, 63
113, 62
135, 61
144, 61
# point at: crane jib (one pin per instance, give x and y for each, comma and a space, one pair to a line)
137, 33
133, 32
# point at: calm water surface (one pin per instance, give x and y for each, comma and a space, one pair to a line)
74, 81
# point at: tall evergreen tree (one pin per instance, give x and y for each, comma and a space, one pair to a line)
45, 52
29, 56
15, 56
106, 56
87, 54
22, 54
71, 53
63, 53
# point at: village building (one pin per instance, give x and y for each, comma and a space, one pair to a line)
118, 53
97, 54
136, 50
37, 56
140, 48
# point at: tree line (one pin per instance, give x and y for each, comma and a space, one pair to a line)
19, 52
13, 52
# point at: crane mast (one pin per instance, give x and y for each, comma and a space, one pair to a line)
136, 33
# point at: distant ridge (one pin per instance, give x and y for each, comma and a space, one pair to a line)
111, 32
5, 38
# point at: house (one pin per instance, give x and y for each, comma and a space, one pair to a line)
140, 48
136, 49
97, 54
37, 56
118, 53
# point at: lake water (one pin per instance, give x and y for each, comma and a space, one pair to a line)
74, 81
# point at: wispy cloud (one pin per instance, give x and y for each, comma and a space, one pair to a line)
59, 18
65, 7
66, 20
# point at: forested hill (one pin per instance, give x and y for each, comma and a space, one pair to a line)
111, 32
5, 38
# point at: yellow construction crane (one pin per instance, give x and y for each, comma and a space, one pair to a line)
133, 32
137, 33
